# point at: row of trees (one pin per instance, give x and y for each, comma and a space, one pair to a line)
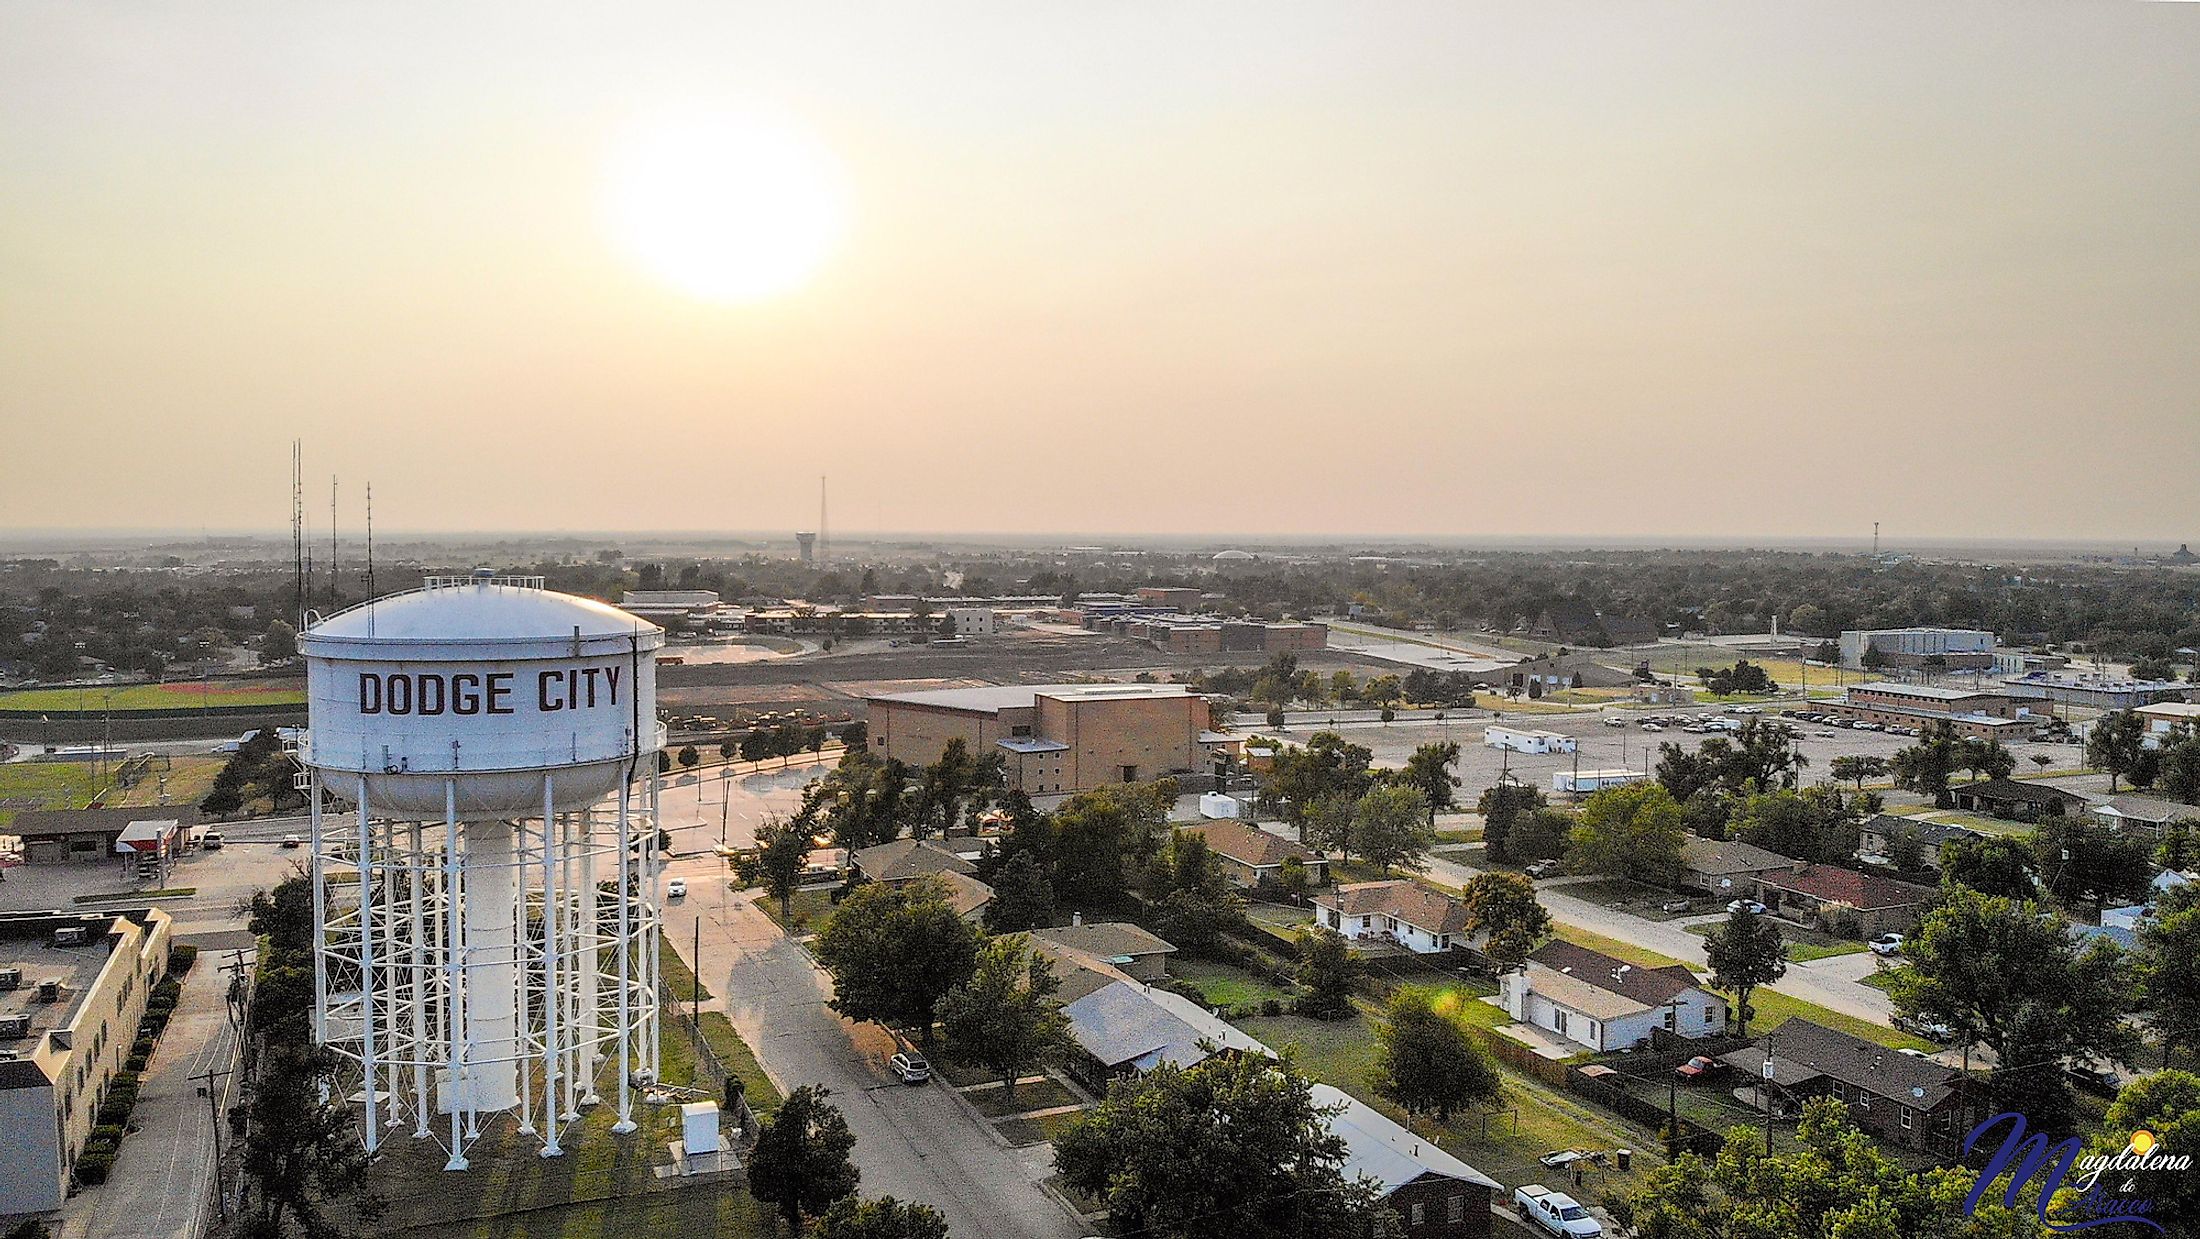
802, 1166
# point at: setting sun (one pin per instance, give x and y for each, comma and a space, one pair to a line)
728, 207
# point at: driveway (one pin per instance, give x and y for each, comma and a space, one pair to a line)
911, 1143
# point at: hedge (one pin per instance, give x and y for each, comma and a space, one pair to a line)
92, 1167
180, 958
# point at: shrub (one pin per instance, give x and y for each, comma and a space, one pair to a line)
136, 1062
180, 958
169, 990
1271, 1006
141, 1048
93, 1165
108, 1133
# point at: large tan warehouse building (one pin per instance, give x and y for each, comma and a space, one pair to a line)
1055, 737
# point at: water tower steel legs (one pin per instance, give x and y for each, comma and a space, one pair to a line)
626, 990
457, 1078
367, 1012
417, 976
552, 999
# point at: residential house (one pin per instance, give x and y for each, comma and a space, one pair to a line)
2148, 813
1881, 831
900, 860
967, 895
1125, 1028
1914, 1102
1252, 856
1556, 671
1725, 866
1138, 954
2017, 801
1578, 623
1606, 1003
1812, 892
1435, 1195
1397, 911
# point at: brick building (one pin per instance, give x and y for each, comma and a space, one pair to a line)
1969, 712
1055, 737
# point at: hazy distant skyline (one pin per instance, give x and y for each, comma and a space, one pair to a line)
1414, 270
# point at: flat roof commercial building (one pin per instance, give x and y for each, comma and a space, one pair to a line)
2097, 692
1055, 737
1969, 712
1958, 649
72, 989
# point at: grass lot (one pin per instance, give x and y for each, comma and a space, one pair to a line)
736, 1057
70, 785
1637, 899
1774, 1009
1030, 1095
182, 695
1022, 1132
1467, 834
1883, 980
1640, 956
809, 909
1803, 945
679, 978
1956, 817
1225, 985
1502, 1141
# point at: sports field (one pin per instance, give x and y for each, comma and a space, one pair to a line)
123, 698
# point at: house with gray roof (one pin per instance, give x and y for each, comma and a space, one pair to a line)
1724, 866
1435, 1195
1604, 1003
1908, 1100
1126, 1028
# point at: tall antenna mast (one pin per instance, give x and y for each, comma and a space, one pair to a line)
370, 541
1875, 537
332, 542
824, 539
298, 531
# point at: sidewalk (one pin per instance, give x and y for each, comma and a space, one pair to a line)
161, 1186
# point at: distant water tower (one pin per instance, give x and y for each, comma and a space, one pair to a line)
808, 543
485, 889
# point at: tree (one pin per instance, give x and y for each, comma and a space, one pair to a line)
689, 757
883, 1218
776, 862
2005, 975
1500, 805
1543, 834
1328, 969
1194, 902
1629, 831
1293, 881
1234, 1146
280, 644
1327, 766
1503, 911
1390, 827
1837, 1183
1004, 1016
2117, 744
800, 1162
2169, 971
1994, 865
1857, 767
1926, 766
727, 748
895, 951
2177, 759
1023, 898
1426, 1061
1096, 834
1429, 772
756, 745
2166, 1103
2081, 859
1744, 953
1814, 824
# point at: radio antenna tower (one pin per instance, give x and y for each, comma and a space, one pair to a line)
370, 541
824, 538
332, 557
1875, 537
298, 531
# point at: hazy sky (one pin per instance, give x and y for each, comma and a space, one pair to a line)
1378, 268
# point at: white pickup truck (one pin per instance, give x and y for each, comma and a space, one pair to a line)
1555, 1212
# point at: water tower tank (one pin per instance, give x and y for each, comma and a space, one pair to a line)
485, 682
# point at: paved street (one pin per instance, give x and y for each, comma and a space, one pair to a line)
912, 1143
159, 1186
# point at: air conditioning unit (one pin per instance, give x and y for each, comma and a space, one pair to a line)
11, 978
14, 1027
69, 935
49, 990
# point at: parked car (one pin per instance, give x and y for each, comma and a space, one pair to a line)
1927, 1029
1653, 727
1746, 905
1699, 1067
910, 1067
2093, 1079
1614, 720
1749, 709
1555, 1213
212, 841
677, 888
293, 841
1887, 944
1543, 869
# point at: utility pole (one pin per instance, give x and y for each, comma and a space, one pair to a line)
1672, 1091
214, 1114
696, 1006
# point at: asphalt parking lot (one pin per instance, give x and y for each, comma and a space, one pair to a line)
1603, 747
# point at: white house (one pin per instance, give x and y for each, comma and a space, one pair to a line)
1525, 740
1413, 916
1605, 1003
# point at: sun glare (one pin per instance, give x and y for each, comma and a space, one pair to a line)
727, 207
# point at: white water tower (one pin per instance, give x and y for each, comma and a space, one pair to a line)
485, 884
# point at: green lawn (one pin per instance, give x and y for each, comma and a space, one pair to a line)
1466, 834
1030, 1095
1883, 980
1022, 1132
1640, 956
1774, 1009
735, 1056
679, 978
53, 784
1803, 945
182, 695
1637, 899
810, 909
1226, 985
